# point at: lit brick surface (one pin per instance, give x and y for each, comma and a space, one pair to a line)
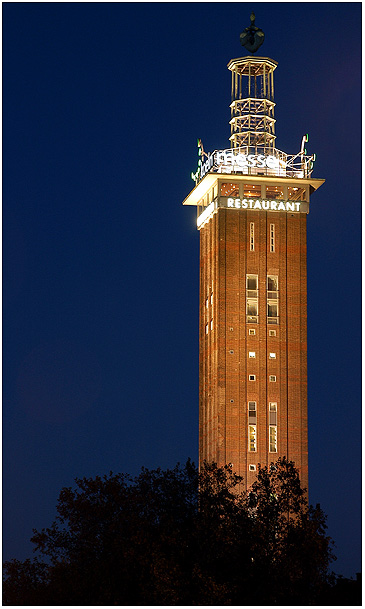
225, 260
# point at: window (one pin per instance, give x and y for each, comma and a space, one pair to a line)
252, 236
272, 285
228, 189
252, 408
252, 438
251, 190
207, 302
274, 192
252, 413
211, 298
252, 467
251, 307
272, 378
211, 324
272, 332
251, 284
251, 332
272, 309
206, 328
272, 237
272, 355
272, 299
251, 354
251, 298
252, 377
296, 194
273, 439
273, 407
251, 311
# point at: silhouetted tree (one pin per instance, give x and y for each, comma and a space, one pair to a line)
178, 537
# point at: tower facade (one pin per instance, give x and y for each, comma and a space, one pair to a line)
252, 203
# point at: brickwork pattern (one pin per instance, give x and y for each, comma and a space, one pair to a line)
224, 388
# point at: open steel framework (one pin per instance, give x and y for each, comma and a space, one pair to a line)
253, 128
252, 107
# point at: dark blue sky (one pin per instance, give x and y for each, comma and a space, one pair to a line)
103, 103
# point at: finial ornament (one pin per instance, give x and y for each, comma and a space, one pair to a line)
252, 37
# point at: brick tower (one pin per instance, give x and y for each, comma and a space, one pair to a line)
252, 202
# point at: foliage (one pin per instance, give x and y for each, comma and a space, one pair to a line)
178, 537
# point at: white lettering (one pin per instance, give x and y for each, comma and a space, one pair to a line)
251, 160
241, 160
260, 160
263, 204
229, 158
220, 157
272, 162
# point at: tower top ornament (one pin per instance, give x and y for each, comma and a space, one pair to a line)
252, 37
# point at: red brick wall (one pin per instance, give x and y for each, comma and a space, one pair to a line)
225, 259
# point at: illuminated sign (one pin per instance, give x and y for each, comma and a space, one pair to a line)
207, 165
241, 162
226, 157
259, 204
266, 205
271, 161
202, 167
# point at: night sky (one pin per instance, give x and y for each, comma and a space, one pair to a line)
102, 107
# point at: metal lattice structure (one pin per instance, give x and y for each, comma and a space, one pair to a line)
252, 107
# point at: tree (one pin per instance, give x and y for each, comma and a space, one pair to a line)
178, 537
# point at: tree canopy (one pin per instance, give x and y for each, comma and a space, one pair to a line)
178, 537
